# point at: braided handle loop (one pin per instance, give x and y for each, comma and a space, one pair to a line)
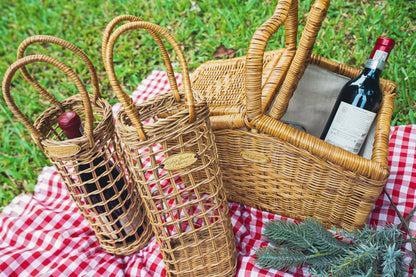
124, 98
22, 63
257, 48
61, 42
302, 57
106, 36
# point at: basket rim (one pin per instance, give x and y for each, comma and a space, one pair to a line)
182, 116
96, 104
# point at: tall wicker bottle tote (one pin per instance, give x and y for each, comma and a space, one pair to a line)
277, 168
114, 209
171, 148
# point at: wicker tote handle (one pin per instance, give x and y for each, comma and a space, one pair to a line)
58, 41
106, 36
124, 98
255, 56
22, 63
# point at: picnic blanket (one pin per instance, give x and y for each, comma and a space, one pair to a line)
44, 234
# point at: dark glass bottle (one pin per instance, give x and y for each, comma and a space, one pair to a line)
358, 102
71, 124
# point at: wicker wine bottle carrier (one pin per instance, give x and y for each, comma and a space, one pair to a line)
93, 167
267, 163
172, 151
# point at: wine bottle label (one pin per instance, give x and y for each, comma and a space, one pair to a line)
350, 127
378, 60
128, 227
375, 64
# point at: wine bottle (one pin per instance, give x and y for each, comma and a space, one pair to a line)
358, 102
71, 124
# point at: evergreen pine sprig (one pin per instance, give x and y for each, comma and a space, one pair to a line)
286, 233
358, 261
310, 241
372, 253
282, 258
325, 241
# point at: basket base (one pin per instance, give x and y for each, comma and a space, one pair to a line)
203, 254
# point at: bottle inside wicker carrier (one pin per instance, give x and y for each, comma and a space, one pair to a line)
70, 123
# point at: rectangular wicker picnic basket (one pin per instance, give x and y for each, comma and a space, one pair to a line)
265, 161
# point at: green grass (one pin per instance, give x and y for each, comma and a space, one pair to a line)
347, 36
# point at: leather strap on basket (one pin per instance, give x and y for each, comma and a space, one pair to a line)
22, 63
255, 56
124, 98
63, 43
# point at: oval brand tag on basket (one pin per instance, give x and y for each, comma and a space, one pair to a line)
254, 156
179, 161
62, 151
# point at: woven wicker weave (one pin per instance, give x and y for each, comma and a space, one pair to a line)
272, 166
120, 223
172, 151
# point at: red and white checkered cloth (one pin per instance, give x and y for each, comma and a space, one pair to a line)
44, 234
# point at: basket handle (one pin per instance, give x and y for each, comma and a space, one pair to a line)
302, 57
264, 123
124, 98
58, 41
286, 13
106, 36
256, 52
22, 63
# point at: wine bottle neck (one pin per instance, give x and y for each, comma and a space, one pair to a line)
372, 71
380, 53
375, 64
71, 124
